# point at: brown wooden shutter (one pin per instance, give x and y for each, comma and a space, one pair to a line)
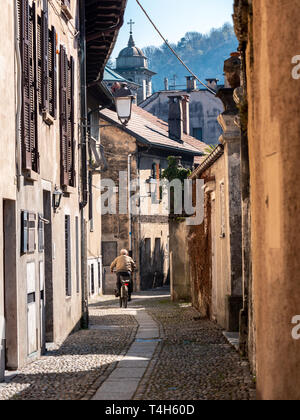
52, 74
45, 61
30, 155
39, 62
63, 82
72, 122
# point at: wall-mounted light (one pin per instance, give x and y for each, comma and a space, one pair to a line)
123, 100
57, 196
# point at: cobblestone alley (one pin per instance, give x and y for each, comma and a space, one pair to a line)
155, 350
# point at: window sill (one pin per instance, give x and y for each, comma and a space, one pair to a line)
48, 119
30, 175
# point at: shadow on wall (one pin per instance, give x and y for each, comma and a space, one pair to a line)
152, 265
200, 251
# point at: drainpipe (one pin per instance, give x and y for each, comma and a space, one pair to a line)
84, 185
129, 205
18, 97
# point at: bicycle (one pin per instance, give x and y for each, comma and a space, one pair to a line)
124, 292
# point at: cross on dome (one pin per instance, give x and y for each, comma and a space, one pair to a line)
131, 23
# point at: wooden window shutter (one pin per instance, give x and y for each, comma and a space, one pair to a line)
30, 154
45, 59
52, 74
63, 101
72, 123
39, 61
68, 255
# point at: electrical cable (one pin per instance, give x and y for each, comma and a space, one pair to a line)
172, 49
76, 32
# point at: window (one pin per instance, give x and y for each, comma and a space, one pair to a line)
156, 176
197, 133
67, 145
41, 241
92, 279
147, 255
28, 232
27, 25
77, 254
68, 277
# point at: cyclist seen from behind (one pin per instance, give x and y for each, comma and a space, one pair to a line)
124, 266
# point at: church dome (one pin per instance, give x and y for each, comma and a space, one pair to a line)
131, 50
131, 57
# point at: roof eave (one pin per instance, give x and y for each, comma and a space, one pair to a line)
147, 142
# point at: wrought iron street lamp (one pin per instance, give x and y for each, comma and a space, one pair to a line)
123, 100
57, 196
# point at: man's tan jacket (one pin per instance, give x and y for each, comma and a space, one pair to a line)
123, 263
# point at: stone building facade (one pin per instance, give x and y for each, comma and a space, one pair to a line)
204, 109
46, 65
268, 35
141, 149
8, 190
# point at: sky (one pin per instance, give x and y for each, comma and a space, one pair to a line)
174, 18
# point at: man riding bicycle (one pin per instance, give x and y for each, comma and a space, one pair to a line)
124, 266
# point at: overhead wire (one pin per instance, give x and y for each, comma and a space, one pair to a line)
173, 51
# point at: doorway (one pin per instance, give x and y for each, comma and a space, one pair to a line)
48, 270
10, 284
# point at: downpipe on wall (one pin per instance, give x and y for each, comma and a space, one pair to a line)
129, 205
84, 180
18, 96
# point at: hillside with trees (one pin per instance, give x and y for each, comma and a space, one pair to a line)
203, 53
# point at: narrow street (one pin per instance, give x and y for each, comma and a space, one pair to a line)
154, 350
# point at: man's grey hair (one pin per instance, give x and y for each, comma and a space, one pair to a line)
124, 252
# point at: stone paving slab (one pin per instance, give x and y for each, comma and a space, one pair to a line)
127, 373
124, 380
133, 363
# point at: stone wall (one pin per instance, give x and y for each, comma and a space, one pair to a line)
268, 33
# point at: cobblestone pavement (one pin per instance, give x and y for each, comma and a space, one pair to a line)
194, 362
80, 364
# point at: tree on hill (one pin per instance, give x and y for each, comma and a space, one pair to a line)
203, 53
